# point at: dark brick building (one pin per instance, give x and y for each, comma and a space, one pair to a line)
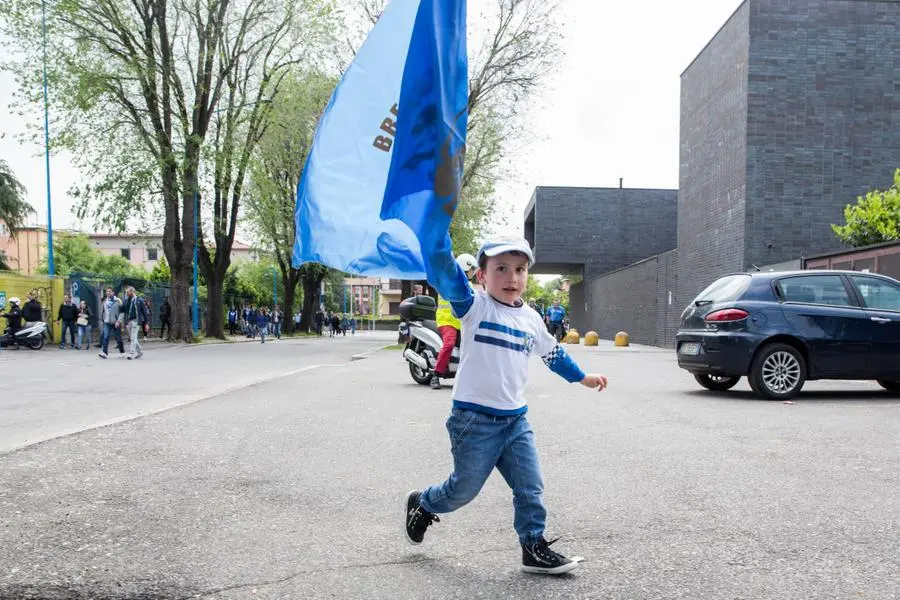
591, 231
790, 112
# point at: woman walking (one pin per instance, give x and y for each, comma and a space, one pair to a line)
84, 326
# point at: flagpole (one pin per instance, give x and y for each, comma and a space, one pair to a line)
51, 267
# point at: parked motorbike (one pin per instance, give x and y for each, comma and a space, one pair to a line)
424, 341
32, 336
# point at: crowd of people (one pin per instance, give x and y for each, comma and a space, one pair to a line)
335, 323
253, 321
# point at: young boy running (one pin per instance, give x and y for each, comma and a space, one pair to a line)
487, 424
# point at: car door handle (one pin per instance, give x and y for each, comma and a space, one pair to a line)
881, 320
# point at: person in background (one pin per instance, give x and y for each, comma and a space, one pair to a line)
165, 313
111, 321
32, 311
84, 326
134, 313
353, 324
335, 324
262, 323
277, 318
13, 316
345, 324
68, 314
320, 321
536, 308
556, 314
232, 320
298, 318
145, 329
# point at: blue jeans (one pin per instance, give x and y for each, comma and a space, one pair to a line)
70, 327
277, 330
104, 338
480, 442
84, 336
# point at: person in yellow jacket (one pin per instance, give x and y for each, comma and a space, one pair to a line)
448, 325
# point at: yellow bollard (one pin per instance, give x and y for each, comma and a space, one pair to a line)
572, 337
591, 339
622, 339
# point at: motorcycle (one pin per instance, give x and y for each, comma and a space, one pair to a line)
32, 336
424, 341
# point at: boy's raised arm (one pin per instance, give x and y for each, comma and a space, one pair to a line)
448, 278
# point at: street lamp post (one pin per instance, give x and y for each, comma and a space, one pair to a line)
51, 267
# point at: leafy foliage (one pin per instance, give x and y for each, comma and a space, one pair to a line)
161, 271
546, 293
75, 254
13, 207
875, 218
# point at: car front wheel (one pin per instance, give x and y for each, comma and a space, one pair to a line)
716, 383
778, 372
891, 386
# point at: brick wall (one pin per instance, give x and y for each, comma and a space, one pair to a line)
602, 228
636, 299
823, 124
713, 158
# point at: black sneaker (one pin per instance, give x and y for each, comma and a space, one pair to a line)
539, 558
417, 518
435, 382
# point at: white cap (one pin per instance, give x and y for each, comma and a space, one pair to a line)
501, 245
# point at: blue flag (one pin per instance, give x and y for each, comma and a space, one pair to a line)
382, 179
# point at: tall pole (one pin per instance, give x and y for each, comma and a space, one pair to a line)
51, 267
196, 307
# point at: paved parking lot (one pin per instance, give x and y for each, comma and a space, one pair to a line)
278, 472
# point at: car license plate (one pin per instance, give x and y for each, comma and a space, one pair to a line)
689, 348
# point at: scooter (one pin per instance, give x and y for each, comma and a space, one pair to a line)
30, 337
424, 341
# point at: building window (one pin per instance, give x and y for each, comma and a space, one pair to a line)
126, 253
152, 254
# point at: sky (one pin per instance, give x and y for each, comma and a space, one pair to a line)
609, 111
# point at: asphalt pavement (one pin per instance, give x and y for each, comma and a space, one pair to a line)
278, 471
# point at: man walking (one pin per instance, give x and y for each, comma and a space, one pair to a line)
68, 313
111, 317
555, 316
135, 315
165, 312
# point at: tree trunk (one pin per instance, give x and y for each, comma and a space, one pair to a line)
290, 290
181, 303
215, 302
310, 303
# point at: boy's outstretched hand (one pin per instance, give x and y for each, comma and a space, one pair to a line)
595, 381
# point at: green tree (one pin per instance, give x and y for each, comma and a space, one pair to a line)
875, 218
137, 86
76, 254
276, 169
161, 272
13, 207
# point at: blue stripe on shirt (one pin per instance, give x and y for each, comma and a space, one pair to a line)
487, 410
498, 342
502, 329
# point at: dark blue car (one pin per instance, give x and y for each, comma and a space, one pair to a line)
782, 329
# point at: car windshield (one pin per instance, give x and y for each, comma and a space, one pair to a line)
725, 289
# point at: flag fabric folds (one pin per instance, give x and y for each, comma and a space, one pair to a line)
382, 179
